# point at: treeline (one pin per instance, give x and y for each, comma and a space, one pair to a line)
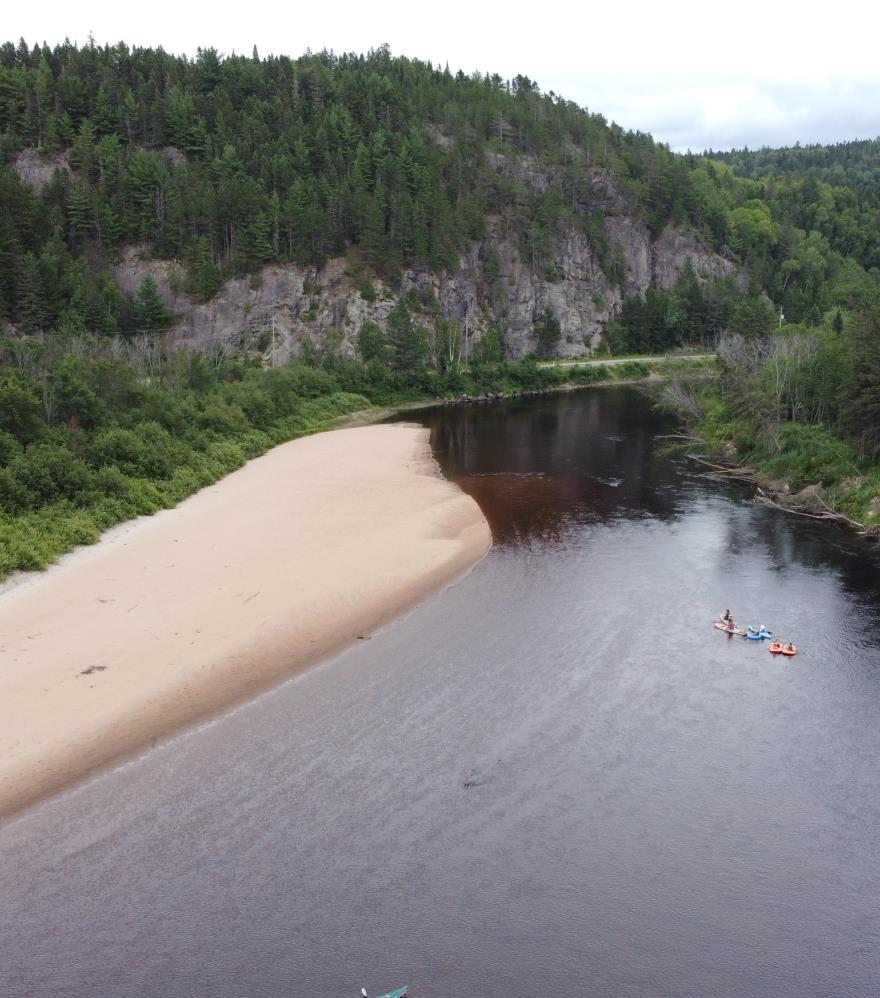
801, 395
804, 249
853, 164
802, 407
827, 376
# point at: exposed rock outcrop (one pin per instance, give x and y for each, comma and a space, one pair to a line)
673, 247
492, 283
35, 168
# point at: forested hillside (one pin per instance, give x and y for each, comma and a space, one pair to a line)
801, 402
226, 164
405, 229
853, 164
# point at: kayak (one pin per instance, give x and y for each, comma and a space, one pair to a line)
756, 635
400, 993
730, 630
789, 651
775, 648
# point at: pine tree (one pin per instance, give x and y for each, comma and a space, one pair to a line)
861, 410
407, 343
372, 345
151, 315
30, 296
203, 276
104, 115
79, 213
548, 332
254, 244
10, 247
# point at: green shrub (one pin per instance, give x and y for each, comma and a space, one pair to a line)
42, 474
589, 375
632, 370
20, 411
147, 451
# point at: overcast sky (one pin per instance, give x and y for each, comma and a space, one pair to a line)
694, 74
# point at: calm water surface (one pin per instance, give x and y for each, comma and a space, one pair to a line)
554, 778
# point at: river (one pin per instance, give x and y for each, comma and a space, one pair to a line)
553, 778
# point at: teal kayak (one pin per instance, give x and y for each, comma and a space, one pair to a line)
400, 993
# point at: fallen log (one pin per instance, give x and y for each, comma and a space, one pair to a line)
739, 474
827, 515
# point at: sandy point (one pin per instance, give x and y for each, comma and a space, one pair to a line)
173, 618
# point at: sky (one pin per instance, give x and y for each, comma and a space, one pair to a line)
696, 75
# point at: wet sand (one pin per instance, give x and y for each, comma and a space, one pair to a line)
173, 618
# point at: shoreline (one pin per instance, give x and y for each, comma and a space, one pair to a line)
172, 619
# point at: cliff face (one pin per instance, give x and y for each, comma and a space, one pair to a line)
492, 282
304, 302
295, 302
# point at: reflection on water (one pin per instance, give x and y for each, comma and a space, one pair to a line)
554, 778
561, 460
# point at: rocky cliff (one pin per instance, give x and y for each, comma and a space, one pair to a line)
284, 304
290, 302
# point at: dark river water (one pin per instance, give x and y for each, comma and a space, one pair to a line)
553, 779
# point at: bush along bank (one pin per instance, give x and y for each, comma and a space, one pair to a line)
801, 468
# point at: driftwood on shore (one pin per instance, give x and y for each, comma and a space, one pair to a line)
748, 475
735, 472
496, 396
827, 514
686, 437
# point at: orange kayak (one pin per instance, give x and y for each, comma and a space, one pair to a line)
779, 649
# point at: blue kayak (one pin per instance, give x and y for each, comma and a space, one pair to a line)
400, 993
754, 635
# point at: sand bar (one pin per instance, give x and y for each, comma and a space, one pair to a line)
175, 617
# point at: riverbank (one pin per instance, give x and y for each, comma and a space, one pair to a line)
802, 469
776, 484
173, 618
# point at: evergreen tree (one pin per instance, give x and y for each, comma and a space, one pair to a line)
30, 297
151, 315
79, 214
861, 409
203, 277
372, 345
10, 247
548, 332
407, 343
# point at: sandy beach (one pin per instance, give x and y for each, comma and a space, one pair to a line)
173, 618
